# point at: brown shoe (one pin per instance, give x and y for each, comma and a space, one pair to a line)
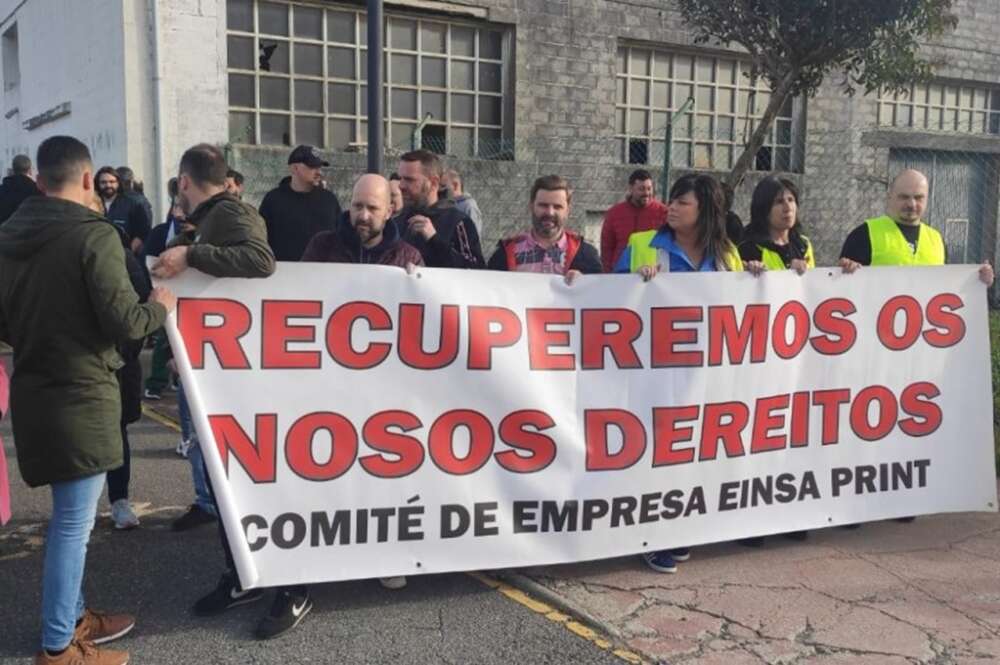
100, 628
83, 653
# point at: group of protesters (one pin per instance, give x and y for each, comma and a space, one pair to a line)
76, 305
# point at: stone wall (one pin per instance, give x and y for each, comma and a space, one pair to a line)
564, 68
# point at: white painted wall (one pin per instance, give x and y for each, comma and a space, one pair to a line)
69, 51
98, 55
195, 84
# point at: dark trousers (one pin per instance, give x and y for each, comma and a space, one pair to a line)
159, 375
296, 590
118, 479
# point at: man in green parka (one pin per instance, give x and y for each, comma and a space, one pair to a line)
65, 303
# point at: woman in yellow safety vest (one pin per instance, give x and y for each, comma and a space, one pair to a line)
692, 240
773, 240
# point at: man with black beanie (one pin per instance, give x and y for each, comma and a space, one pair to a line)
299, 207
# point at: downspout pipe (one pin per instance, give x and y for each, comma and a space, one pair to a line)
162, 202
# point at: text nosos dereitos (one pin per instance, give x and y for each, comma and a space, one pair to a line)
392, 443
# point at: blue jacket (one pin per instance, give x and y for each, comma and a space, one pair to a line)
679, 262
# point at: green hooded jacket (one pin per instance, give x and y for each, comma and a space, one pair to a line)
65, 301
229, 240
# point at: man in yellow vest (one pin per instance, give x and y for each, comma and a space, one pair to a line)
899, 238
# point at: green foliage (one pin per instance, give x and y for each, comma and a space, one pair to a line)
795, 44
874, 43
995, 365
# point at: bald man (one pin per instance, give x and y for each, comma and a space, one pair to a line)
900, 238
363, 234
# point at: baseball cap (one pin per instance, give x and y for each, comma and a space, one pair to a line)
308, 155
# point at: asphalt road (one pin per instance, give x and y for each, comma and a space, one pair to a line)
157, 574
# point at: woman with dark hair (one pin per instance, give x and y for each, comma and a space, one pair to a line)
774, 240
693, 239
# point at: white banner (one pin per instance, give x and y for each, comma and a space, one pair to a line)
360, 422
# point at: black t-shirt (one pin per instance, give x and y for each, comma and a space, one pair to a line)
858, 246
734, 227
750, 250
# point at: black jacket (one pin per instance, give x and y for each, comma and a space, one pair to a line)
130, 374
13, 191
344, 246
127, 213
455, 243
293, 218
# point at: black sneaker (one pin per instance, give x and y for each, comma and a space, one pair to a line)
151, 395
194, 517
287, 610
226, 595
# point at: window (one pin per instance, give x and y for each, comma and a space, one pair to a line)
942, 107
298, 74
653, 84
11, 60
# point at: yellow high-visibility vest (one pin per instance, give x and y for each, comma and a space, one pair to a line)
889, 246
773, 260
641, 253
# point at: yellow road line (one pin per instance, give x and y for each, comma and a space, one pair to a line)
556, 616
516, 595
166, 421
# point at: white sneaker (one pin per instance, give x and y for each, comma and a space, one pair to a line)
183, 446
397, 582
123, 516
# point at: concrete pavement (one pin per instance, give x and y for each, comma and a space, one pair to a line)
888, 593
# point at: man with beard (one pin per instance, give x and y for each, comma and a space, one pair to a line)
364, 234
230, 240
900, 238
638, 212
445, 237
16, 187
299, 207
122, 209
548, 247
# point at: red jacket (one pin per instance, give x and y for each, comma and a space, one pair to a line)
622, 220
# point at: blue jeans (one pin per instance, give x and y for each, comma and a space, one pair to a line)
202, 495
184, 412
74, 508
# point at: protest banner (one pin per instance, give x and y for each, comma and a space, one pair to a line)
360, 422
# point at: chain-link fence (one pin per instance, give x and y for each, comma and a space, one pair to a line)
843, 176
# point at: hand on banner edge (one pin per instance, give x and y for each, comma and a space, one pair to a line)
848, 266
986, 275
171, 262
648, 272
